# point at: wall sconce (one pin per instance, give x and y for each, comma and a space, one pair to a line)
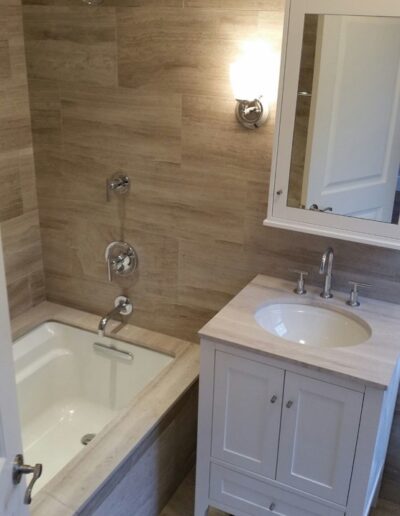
250, 84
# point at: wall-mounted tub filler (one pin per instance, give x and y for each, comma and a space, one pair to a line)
121, 259
122, 307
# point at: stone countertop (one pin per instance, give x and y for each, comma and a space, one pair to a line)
373, 362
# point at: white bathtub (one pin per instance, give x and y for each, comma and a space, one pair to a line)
69, 387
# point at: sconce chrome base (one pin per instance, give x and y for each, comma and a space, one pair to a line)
252, 113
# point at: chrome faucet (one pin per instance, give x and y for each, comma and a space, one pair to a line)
326, 268
123, 307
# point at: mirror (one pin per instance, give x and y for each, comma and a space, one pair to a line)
336, 160
346, 141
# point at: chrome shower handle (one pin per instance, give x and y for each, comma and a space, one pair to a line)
121, 258
118, 184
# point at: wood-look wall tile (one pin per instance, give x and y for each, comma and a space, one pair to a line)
45, 105
107, 3
18, 203
15, 129
154, 203
175, 200
27, 178
119, 121
37, 287
5, 64
15, 133
209, 123
10, 192
4, 3
56, 242
11, 31
22, 247
79, 293
19, 296
25, 292
209, 275
71, 43
180, 50
246, 5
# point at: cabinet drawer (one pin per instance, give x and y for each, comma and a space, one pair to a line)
251, 497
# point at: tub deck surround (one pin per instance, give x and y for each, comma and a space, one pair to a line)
373, 362
87, 473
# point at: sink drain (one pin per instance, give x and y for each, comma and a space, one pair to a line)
87, 438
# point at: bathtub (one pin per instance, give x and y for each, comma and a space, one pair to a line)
70, 384
89, 404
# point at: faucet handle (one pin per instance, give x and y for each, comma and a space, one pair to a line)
121, 258
355, 285
300, 288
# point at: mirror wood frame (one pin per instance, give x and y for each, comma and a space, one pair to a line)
297, 219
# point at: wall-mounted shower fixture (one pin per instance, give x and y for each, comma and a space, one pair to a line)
118, 184
121, 259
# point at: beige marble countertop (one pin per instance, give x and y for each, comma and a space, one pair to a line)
90, 469
373, 362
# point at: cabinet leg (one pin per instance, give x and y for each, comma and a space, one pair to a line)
377, 491
200, 509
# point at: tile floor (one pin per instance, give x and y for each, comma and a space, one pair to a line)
181, 504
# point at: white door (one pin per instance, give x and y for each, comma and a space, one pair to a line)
246, 413
353, 153
11, 497
318, 437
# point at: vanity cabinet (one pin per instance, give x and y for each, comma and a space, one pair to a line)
278, 438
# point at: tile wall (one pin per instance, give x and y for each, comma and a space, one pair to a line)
19, 220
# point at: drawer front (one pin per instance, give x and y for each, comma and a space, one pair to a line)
252, 497
247, 413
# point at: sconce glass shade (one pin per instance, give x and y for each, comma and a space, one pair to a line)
250, 82
247, 80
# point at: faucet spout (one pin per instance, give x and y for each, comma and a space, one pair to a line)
123, 307
326, 268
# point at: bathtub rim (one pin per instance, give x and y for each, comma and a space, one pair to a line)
113, 336
87, 472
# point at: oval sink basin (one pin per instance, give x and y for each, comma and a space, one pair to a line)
312, 325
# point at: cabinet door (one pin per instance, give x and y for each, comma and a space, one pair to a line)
247, 412
318, 437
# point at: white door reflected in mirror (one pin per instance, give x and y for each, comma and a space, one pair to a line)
348, 159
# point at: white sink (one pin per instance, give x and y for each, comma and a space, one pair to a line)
312, 325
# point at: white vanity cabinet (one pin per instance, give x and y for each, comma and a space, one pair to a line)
279, 438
